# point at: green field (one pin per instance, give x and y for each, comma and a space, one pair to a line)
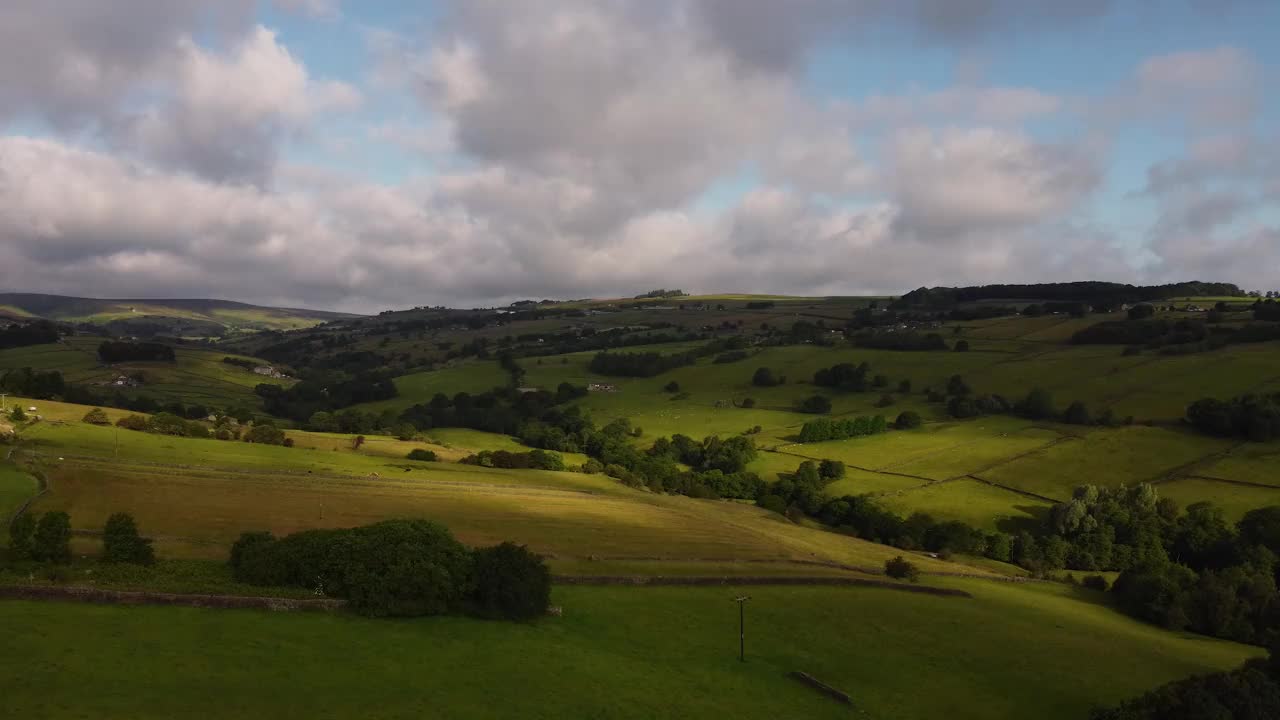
16, 487
1013, 651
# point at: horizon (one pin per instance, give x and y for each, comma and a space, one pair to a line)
322, 153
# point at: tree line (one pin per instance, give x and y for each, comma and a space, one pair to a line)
39, 332
1253, 417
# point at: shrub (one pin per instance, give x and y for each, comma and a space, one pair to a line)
52, 539
96, 416
1095, 582
962, 346
831, 470
900, 568
122, 543
264, 434
223, 433
748, 403
672, 387
1037, 405
422, 455
904, 387
885, 401
510, 583
1077, 414
20, 531
592, 466
248, 545
132, 422
908, 420
17, 414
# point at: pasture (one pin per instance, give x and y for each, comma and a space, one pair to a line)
1013, 651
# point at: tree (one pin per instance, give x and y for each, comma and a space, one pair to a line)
904, 387
831, 470
1037, 405
17, 414
97, 416
900, 568
908, 420
52, 539
1142, 311
1261, 527
956, 386
672, 387
265, 434
1077, 414
422, 455
962, 346
122, 543
748, 403
764, 377
510, 582
20, 531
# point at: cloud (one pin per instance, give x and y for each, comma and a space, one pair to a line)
226, 112
957, 182
1198, 90
327, 10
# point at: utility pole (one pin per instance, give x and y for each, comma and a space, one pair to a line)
2, 397
742, 627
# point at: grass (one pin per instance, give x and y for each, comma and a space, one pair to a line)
1110, 458
978, 504
1014, 651
1234, 500
16, 487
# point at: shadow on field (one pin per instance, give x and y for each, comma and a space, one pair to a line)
1036, 515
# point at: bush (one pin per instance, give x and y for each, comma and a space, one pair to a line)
672, 387
264, 434
904, 387
509, 583
908, 420
748, 403
20, 532
1077, 414
831, 470
885, 401
52, 539
17, 414
900, 568
1095, 582
122, 543
96, 416
422, 455
223, 433
592, 466
962, 346
133, 422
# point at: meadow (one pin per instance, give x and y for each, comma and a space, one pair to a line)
1012, 651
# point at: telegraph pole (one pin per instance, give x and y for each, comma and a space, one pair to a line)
2, 397
742, 627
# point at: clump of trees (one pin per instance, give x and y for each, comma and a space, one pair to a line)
47, 539
1251, 691
1250, 417
115, 351
39, 332
96, 416
645, 364
422, 455
828, 429
42, 384
534, 459
399, 568
844, 376
815, 404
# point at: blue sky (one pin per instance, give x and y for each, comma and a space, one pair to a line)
387, 154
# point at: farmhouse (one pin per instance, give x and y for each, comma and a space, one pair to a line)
270, 372
601, 387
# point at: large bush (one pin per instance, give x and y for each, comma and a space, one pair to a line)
900, 568
422, 455
52, 540
510, 582
132, 422
97, 416
122, 543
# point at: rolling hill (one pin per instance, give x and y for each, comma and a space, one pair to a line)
179, 317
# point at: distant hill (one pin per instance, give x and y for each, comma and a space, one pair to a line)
177, 317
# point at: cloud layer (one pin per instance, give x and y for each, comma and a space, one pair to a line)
599, 148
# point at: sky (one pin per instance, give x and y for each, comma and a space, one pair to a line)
362, 156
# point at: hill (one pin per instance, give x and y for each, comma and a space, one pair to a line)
171, 317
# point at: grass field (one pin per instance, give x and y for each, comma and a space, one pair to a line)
1234, 500
978, 504
16, 487
198, 376
1014, 651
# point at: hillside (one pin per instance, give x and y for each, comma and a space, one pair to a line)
172, 317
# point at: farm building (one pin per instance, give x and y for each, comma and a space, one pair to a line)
601, 387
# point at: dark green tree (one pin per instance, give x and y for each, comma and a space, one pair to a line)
122, 543
52, 539
20, 532
510, 582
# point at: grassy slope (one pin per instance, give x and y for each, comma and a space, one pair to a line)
229, 314
1012, 652
197, 376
